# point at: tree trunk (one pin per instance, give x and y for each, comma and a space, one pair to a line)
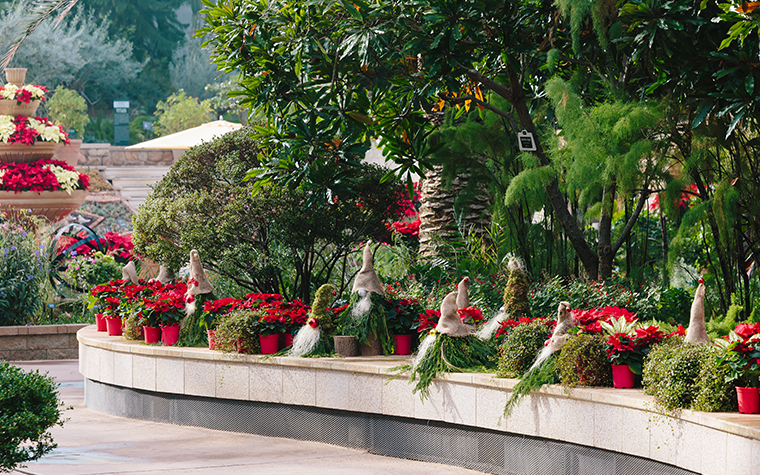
442, 219
604, 249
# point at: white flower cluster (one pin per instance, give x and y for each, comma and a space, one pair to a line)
69, 180
9, 91
7, 127
48, 132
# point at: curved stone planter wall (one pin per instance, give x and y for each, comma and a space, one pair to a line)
604, 420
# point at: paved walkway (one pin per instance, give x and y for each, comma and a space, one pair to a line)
95, 443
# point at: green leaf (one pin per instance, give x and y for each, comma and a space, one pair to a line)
749, 84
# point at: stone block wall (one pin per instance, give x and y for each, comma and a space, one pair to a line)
43, 342
105, 155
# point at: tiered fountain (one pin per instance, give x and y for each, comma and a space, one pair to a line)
45, 142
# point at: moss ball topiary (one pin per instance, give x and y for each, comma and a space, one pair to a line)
583, 362
520, 348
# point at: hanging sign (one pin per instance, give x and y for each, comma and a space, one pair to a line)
526, 141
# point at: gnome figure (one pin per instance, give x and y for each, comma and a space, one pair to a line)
366, 280
450, 323
165, 275
564, 323
696, 332
129, 272
197, 284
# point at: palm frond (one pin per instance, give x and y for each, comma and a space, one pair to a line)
41, 11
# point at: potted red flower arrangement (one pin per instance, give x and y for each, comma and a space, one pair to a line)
627, 345
400, 318
743, 361
169, 305
108, 296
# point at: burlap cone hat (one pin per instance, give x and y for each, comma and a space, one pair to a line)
450, 323
129, 272
198, 274
367, 279
696, 333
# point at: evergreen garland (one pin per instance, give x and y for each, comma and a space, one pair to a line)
192, 333
448, 354
545, 373
375, 321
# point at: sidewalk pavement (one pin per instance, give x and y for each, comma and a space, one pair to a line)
95, 443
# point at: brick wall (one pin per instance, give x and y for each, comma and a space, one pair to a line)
43, 342
103, 154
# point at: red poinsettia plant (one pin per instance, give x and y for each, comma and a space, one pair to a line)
628, 343
41, 175
743, 355
29, 130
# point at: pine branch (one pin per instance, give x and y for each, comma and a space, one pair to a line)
41, 11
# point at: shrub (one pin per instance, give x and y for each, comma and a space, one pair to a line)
520, 348
68, 109
674, 306
85, 272
236, 331
583, 362
683, 376
23, 270
28, 408
275, 241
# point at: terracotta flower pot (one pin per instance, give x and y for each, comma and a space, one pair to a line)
52, 205
749, 400
100, 323
270, 344
114, 326
151, 334
346, 346
11, 107
21, 153
622, 376
170, 334
403, 345
69, 153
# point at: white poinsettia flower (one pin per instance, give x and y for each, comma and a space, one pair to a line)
9, 91
36, 91
7, 127
69, 180
48, 132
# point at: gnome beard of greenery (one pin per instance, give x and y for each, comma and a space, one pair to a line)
365, 316
315, 338
451, 347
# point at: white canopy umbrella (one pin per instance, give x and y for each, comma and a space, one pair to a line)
190, 137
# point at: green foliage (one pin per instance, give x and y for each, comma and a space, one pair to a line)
520, 349
276, 241
99, 130
363, 325
85, 272
236, 331
193, 330
674, 306
447, 354
516, 302
583, 362
533, 380
28, 408
673, 374
180, 112
322, 299
23, 271
79, 54
191, 69
719, 326
68, 109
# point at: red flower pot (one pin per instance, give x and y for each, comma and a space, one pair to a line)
151, 334
749, 400
622, 376
286, 340
170, 334
403, 345
241, 346
100, 323
270, 344
114, 326
211, 340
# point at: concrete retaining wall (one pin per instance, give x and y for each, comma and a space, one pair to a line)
43, 342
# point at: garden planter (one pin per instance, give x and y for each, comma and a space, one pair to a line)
403, 345
114, 326
52, 205
11, 107
170, 334
372, 347
622, 376
211, 340
100, 323
270, 344
69, 153
748, 399
22, 153
151, 334
286, 340
346, 346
